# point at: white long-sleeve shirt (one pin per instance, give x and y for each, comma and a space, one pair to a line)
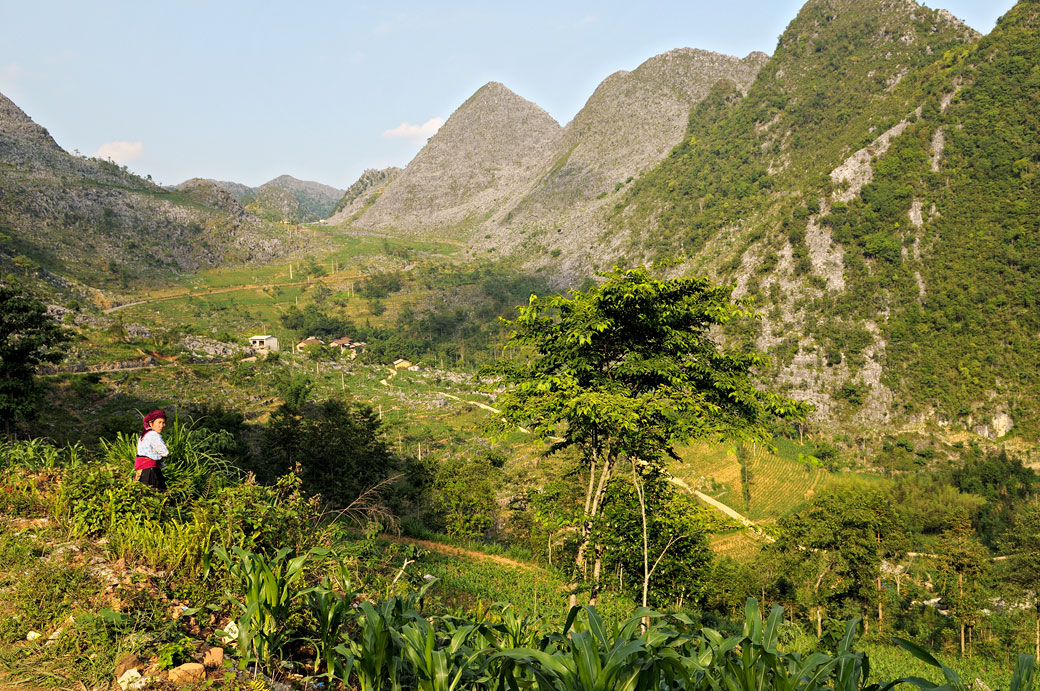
152, 446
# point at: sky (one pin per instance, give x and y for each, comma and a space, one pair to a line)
322, 90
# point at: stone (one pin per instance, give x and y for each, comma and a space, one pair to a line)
212, 657
126, 661
32, 635
230, 633
131, 680
187, 673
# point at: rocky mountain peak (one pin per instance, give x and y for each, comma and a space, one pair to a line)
487, 150
16, 125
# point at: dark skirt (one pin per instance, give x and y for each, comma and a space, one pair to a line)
152, 477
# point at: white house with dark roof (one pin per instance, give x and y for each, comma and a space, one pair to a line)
263, 344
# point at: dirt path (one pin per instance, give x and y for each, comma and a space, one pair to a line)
716, 504
232, 289
452, 551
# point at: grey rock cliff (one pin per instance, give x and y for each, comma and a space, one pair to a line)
487, 152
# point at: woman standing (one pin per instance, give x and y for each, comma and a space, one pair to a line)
151, 450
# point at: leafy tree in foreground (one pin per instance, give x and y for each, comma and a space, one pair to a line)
627, 369
28, 337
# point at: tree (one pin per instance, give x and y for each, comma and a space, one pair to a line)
339, 448
964, 560
832, 550
654, 539
626, 370
1022, 544
28, 338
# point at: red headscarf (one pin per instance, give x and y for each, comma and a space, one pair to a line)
156, 414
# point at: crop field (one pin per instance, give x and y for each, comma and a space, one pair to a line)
736, 544
779, 483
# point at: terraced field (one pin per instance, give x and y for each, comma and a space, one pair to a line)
779, 483
738, 544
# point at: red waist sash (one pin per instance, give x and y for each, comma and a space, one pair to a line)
143, 463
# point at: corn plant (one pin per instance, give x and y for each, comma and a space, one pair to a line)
438, 667
377, 661
597, 658
269, 589
332, 610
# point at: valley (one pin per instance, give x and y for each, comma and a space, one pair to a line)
733, 375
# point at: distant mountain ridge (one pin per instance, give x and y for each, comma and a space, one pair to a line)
492, 144
501, 167
284, 198
73, 224
362, 194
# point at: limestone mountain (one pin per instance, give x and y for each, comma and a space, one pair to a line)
487, 151
67, 220
630, 122
874, 192
284, 198
362, 194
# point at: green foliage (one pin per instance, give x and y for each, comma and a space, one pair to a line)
1003, 482
627, 367
464, 495
677, 551
831, 551
338, 447
95, 499
29, 337
175, 653
269, 589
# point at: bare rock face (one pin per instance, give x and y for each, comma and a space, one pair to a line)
362, 194
631, 121
486, 152
18, 128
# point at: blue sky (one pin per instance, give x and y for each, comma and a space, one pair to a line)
247, 91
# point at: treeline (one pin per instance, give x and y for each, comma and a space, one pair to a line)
949, 557
455, 325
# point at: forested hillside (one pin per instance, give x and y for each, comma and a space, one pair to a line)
874, 194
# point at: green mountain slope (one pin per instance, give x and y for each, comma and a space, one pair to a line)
874, 192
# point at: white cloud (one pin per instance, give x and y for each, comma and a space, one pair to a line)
120, 152
417, 132
588, 19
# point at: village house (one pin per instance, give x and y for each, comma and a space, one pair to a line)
402, 364
309, 341
346, 343
263, 344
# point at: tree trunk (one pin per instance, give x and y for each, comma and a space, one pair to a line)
586, 528
960, 586
880, 613
597, 567
819, 623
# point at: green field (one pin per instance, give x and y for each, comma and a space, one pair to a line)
779, 482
